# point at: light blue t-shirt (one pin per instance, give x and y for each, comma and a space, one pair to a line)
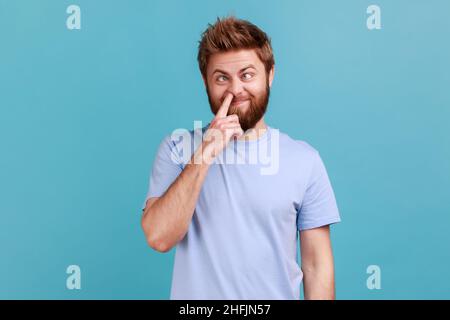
242, 239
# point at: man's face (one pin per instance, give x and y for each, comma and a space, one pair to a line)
243, 74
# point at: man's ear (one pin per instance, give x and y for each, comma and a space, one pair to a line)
271, 75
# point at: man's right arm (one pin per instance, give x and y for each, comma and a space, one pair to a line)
166, 219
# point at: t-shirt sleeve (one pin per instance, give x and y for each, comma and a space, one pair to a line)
319, 206
166, 168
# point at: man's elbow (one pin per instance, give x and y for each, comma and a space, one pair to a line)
155, 241
158, 245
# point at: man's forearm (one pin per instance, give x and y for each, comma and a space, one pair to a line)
167, 220
318, 282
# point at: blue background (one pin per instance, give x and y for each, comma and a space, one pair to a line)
83, 111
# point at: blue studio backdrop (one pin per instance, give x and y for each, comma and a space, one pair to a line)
84, 107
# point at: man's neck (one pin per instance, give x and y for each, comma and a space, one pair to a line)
254, 133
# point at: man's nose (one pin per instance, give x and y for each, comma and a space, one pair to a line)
236, 87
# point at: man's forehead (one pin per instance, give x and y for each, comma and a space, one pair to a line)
233, 60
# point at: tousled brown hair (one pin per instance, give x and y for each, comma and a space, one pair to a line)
229, 34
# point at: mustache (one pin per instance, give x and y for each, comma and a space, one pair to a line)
238, 99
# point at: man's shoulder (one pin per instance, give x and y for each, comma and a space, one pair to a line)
181, 143
181, 134
295, 145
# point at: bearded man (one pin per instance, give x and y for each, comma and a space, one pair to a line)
235, 226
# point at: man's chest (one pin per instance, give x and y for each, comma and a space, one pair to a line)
242, 189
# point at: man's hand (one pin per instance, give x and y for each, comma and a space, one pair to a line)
221, 130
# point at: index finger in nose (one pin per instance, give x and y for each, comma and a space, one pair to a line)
223, 110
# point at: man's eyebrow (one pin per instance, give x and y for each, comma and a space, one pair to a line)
224, 72
247, 67
221, 71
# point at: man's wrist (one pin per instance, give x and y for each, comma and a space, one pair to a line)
204, 155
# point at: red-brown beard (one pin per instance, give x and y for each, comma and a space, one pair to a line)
249, 116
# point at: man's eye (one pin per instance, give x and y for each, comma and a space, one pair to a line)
221, 78
247, 76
